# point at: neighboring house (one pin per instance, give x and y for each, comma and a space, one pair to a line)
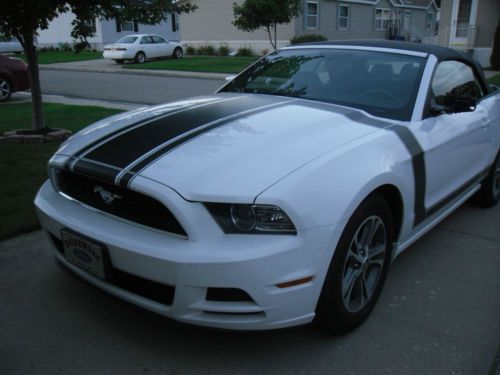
470, 25
107, 31
413, 20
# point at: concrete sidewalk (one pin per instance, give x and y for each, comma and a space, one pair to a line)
109, 66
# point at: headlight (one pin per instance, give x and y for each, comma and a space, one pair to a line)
252, 219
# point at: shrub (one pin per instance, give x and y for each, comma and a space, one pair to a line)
65, 47
190, 50
245, 52
207, 50
495, 53
223, 50
308, 38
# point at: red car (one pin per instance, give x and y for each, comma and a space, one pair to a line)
13, 76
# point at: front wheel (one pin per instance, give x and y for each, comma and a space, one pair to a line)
358, 269
5, 89
177, 53
140, 58
489, 193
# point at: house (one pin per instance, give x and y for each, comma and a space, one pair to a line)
413, 20
470, 25
107, 31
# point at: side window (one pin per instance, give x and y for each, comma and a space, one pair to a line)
146, 40
454, 79
157, 39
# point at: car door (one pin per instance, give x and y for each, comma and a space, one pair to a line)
458, 144
148, 46
164, 48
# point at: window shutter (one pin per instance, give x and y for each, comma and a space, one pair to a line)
349, 19
318, 24
136, 27
118, 26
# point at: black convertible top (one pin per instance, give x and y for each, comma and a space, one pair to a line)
441, 53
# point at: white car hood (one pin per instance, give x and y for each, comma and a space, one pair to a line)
232, 158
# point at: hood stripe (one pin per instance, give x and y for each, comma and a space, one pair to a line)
141, 164
121, 150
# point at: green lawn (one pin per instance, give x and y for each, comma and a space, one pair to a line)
495, 80
51, 57
211, 64
24, 166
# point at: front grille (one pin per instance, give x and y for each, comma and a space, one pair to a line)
227, 295
149, 289
128, 204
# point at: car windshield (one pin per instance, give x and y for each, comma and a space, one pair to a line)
127, 39
380, 83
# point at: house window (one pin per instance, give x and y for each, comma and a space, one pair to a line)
344, 13
175, 22
382, 17
312, 15
429, 20
127, 26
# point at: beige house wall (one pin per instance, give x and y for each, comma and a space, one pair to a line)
196, 31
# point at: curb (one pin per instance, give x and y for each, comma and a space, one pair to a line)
146, 72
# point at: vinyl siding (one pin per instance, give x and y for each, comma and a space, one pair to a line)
488, 16
445, 22
361, 21
212, 21
164, 29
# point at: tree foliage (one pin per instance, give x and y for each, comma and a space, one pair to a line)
255, 14
23, 18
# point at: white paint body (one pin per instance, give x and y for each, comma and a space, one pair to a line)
151, 50
316, 164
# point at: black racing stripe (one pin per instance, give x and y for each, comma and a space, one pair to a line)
124, 149
99, 171
125, 180
419, 170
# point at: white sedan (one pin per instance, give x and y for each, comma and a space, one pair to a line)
285, 196
141, 47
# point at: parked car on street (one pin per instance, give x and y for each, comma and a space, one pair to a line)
141, 47
10, 45
285, 196
14, 76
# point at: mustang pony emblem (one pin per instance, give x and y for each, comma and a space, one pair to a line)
106, 196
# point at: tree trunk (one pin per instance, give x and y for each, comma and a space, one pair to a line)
275, 35
36, 91
268, 29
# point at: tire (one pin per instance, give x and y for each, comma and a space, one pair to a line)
119, 61
489, 194
5, 89
177, 53
356, 277
140, 58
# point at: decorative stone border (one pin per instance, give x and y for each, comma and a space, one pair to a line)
17, 136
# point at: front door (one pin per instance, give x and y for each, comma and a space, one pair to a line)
462, 21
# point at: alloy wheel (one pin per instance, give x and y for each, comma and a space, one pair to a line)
364, 263
4, 89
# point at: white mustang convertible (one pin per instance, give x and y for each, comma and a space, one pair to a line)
285, 196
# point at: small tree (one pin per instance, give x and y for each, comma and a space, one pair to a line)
23, 19
495, 53
254, 14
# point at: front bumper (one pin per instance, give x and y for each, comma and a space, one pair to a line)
209, 258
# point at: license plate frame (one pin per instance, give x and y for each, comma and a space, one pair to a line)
85, 253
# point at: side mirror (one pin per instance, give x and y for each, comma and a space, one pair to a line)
454, 105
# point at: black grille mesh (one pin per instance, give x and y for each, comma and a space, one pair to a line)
129, 205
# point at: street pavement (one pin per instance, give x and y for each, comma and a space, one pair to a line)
438, 314
127, 88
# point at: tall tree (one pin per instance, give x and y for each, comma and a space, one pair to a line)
268, 14
23, 18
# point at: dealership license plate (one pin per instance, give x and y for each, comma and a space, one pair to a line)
84, 253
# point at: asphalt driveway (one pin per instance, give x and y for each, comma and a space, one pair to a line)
439, 314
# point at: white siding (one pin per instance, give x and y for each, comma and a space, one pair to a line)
59, 31
211, 23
